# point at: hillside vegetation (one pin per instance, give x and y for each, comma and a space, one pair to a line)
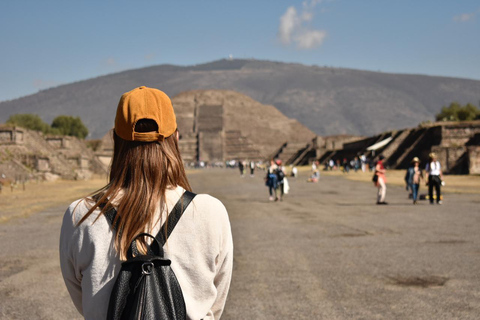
61, 125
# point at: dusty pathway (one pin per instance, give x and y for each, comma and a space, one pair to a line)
326, 252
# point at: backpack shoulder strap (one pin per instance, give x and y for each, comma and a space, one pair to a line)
110, 214
168, 226
174, 216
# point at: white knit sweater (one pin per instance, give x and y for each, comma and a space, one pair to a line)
200, 247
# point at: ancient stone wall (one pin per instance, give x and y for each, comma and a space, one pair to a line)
474, 159
59, 142
210, 127
6, 136
361, 144
210, 146
43, 164
459, 134
185, 114
188, 145
337, 142
11, 135
454, 160
238, 147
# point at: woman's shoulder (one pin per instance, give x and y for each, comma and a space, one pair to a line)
210, 210
77, 210
209, 203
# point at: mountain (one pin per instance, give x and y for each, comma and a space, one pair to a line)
326, 100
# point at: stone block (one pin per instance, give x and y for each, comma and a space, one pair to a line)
474, 159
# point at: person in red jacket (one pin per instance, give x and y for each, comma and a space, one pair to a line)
381, 183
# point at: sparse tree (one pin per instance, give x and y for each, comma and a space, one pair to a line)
468, 112
456, 112
29, 121
70, 126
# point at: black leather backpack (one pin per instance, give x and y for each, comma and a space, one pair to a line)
146, 287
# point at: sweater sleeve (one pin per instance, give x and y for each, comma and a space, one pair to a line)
224, 266
88, 260
71, 274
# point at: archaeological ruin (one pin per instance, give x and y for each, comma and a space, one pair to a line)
27, 154
457, 145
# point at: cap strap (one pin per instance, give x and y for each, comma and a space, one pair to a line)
147, 136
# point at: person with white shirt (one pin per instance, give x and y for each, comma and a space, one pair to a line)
147, 178
434, 177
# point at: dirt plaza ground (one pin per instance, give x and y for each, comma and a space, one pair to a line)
325, 252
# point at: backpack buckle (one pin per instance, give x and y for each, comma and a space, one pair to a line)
147, 267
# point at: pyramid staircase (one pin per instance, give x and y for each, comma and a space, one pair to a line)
239, 147
406, 147
397, 140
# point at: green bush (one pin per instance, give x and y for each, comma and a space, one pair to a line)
70, 126
63, 125
457, 112
29, 121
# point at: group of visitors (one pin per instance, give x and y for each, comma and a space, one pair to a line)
278, 185
359, 162
433, 179
242, 166
276, 181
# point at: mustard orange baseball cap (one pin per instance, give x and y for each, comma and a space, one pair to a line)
145, 103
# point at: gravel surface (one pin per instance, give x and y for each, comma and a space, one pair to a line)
325, 252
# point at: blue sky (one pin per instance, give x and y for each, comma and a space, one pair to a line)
47, 43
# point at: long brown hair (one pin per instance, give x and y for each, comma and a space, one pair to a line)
139, 175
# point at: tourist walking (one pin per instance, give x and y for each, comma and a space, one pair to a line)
294, 172
271, 180
434, 178
280, 172
363, 160
241, 167
413, 177
381, 180
345, 165
331, 164
356, 164
146, 180
252, 168
371, 164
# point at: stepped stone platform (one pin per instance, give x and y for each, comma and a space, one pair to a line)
239, 147
27, 154
188, 145
293, 152
457, 145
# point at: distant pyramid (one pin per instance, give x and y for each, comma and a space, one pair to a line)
218, 125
